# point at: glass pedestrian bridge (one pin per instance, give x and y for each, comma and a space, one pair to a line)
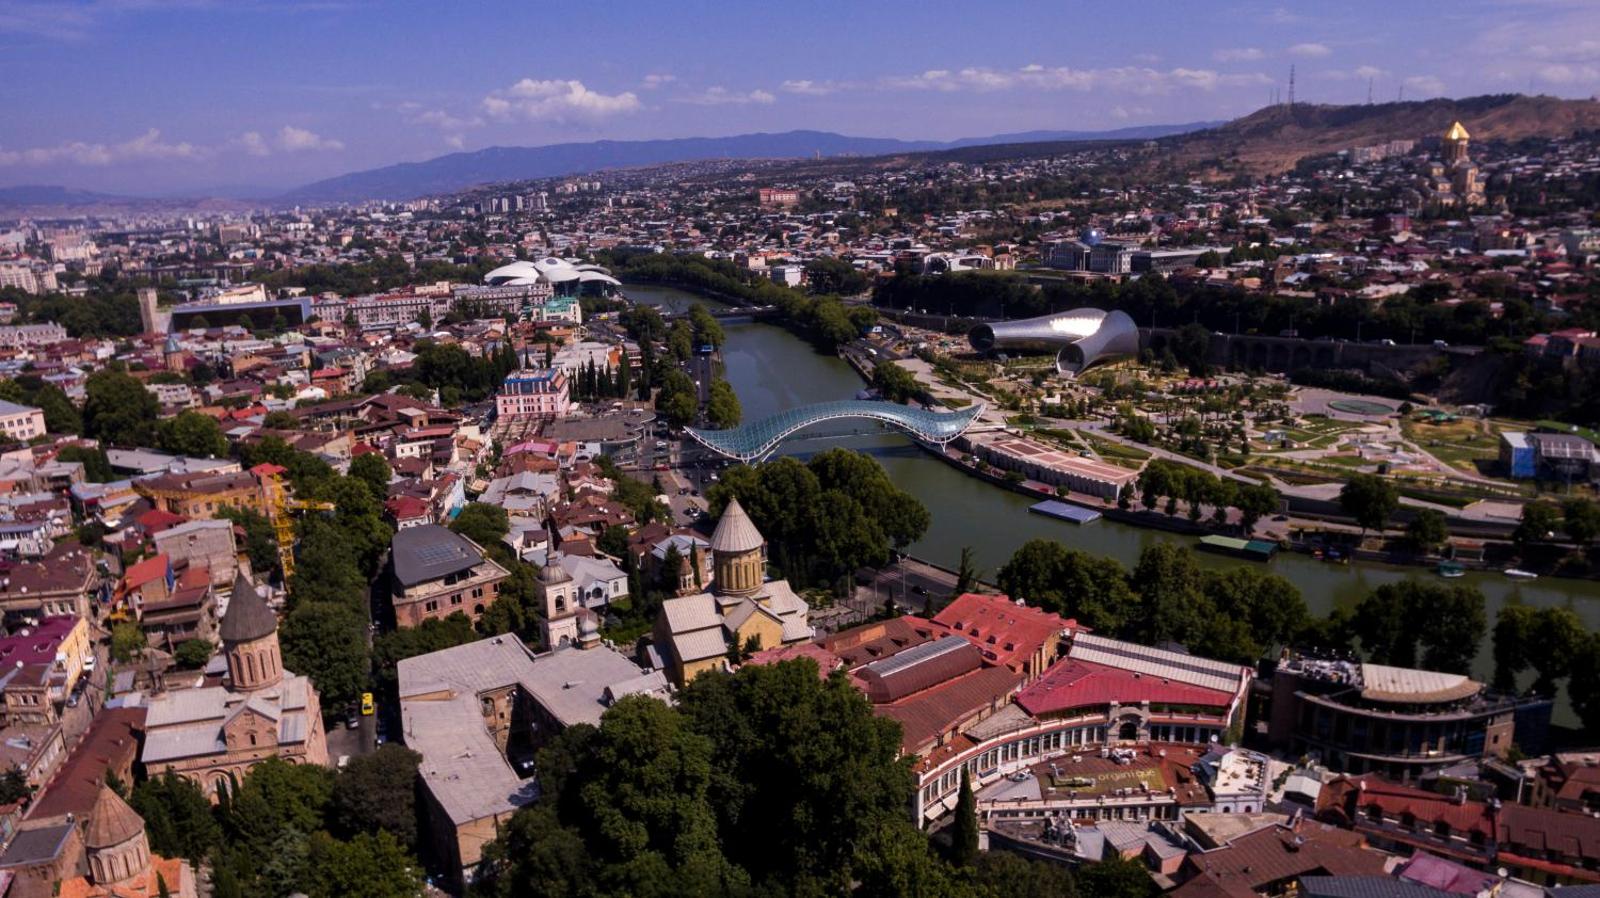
754, 441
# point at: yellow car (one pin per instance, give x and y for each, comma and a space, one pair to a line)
366, 704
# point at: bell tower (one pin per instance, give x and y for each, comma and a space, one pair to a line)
250, 639
559, 595
738, 554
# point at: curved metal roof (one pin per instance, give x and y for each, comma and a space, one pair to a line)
753, 441
1080, 337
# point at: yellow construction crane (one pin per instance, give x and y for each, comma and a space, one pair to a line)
281, 507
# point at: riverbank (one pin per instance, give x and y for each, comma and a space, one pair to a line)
773, 371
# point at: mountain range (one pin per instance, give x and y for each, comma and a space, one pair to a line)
1270, 140
494, 164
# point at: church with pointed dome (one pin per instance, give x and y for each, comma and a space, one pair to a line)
119, 861
1453, 179
213, 735
743, 610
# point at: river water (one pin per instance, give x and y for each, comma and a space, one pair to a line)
772, 370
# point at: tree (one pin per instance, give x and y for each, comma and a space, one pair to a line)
193, 434
893, 382
60, 415
1445, 623
1513, 644
484, 524
177, 817
1115, 877
326, 641
722, 407
432, 635
260, 540
1427, 530
1584, 687
127, 641
1540, 521
96, 467
966, 572
1580, 518
284, 420
1171, 604
278, 799
372, 470
327, 570
118, 410
377, 793
193, 653
14, 785
1370, 499
964, 828
1090, 588
368, 866
1248, 612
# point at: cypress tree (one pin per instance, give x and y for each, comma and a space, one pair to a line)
964, 829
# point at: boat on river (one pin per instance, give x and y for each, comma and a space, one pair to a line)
1517, 573
1450, 570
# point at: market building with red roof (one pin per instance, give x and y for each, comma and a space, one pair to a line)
994, 686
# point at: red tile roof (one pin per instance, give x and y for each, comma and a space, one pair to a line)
145, 571
111, 743
926, 714
1008, 633
1074, 684
827, 662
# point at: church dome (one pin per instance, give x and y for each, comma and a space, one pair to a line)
1457, 131
553, 573
736, 533
111, 821
248, 617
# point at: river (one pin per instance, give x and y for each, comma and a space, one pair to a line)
772, 370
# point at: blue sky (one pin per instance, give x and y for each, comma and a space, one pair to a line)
152, 96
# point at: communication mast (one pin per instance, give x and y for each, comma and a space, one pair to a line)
1369, 91
1291, 85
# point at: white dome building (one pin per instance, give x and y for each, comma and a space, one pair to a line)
566, 278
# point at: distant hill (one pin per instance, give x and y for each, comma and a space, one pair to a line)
53, 195
1273, 139
494, 164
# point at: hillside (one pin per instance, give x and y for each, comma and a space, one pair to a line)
1273, 139
456, 171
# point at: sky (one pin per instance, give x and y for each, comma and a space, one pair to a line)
186, 97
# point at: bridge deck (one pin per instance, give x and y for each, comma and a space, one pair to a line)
753, 441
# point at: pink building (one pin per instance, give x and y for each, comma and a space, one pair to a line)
534, 394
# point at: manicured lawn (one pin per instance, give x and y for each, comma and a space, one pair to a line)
1460, 444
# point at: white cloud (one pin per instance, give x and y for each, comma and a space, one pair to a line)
455, 142
655, 80
298, 140
1310, 50
444, 121
1134, 79
1568, 73
557, 100
146, 146
721, 96
254, 144
1359, 73
1238, 54
1427, 85
809, 88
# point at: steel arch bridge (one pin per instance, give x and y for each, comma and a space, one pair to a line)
754, 441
